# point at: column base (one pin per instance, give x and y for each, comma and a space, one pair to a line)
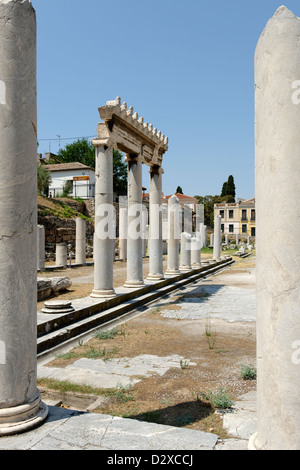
196, 266
103, 294
172, 272
134, 284
185, 268
155, 277
22, 418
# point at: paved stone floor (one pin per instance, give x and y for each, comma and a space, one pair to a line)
222, 296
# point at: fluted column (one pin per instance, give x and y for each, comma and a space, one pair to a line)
104, 239
134, 235
155, 229
21, 407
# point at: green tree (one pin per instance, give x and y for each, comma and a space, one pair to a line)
179, 190
224, 189
43, 179
228, 188
120, 174
83, 151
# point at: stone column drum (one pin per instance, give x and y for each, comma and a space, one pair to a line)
134, 235
174, 232
80, 252
61, 255
40, 247
104, 239
155, 215
277, 174
21, 407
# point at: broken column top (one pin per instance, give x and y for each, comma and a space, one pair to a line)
11, 2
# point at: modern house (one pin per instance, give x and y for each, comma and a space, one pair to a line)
237, 218
80, 179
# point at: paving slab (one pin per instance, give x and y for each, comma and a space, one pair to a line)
71, 430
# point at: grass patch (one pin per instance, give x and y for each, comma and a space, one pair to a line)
219, 399
120, 394
248, 372
91, 353
110, 334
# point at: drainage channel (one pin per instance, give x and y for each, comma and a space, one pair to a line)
67, 330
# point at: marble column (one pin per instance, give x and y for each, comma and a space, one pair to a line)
61, 256
174, 231
21, 407
185, 255
277, 175
40, 247
104, 240
217, 238
80, 252
135, 220
155, 226
123, 215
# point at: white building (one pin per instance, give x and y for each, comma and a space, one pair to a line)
81, 179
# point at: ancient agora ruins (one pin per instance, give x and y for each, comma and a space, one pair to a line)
169, 238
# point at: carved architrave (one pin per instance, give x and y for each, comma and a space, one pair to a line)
128, 133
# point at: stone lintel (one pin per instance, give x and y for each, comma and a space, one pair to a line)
128, 133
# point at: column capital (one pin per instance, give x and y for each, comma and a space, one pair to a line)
134, 158
156, 170
102, 142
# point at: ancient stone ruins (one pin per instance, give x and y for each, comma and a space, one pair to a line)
277, 83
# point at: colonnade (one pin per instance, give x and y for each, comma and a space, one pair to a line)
131, 227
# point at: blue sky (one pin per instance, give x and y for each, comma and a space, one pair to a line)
186, 66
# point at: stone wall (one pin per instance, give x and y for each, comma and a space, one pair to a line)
59, 230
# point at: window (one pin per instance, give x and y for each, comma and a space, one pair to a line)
252, 214
230, 214
222, 214
244, 214
244, 228
222, 228
253, 232
231, 228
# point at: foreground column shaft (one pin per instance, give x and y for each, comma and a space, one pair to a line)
155, 239
20, 403
104, 239
277, 67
